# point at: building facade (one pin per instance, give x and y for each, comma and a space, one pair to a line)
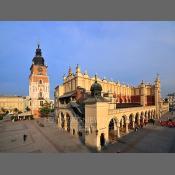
39, 87
10, 103
171, 100
99, 111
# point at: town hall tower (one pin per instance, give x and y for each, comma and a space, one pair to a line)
39, 87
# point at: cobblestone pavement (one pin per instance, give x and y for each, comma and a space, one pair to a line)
50, 139
47, 139
150, 139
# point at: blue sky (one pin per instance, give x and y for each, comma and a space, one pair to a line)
124, 51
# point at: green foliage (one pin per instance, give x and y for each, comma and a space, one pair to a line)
45, 110
2, 116
14, 117
52, 110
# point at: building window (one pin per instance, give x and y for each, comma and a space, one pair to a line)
40, 94
41, 103
40, 81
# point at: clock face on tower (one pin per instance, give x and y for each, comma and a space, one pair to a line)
40, 69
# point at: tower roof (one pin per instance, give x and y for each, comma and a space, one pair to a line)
38, 59
96, 88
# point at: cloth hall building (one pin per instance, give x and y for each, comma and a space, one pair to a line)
100, 111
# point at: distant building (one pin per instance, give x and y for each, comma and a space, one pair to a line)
39, 87
97, 109
10, 103
171, 100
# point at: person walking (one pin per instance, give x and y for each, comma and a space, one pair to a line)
24, 137
135, 129
153, 122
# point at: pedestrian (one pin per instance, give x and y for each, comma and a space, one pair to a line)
24, 137
153, 121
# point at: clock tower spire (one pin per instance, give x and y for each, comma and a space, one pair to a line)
39, 86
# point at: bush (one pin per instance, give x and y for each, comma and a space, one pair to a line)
14, 117
31, 117
1, 117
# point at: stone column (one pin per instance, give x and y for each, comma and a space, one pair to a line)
65, 124
127, 122
133, 123
118, 130
138, 120
115, 127
143, 119
146, 117
59, 123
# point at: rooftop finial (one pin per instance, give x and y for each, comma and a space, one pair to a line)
70, 71
96, 77
85, 72
78, 69
158, 77
38, 50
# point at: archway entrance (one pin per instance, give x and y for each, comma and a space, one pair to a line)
102, 140
112, 132
122, 125
130, 126
137, 119
62, 120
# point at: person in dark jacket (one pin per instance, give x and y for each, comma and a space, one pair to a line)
24, 137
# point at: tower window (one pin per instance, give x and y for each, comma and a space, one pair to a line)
41, 103
40, 94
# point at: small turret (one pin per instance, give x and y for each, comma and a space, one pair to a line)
70, 71
78, 69
96, 88
158, 77
143, 100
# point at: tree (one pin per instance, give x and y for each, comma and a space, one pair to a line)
46, 109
